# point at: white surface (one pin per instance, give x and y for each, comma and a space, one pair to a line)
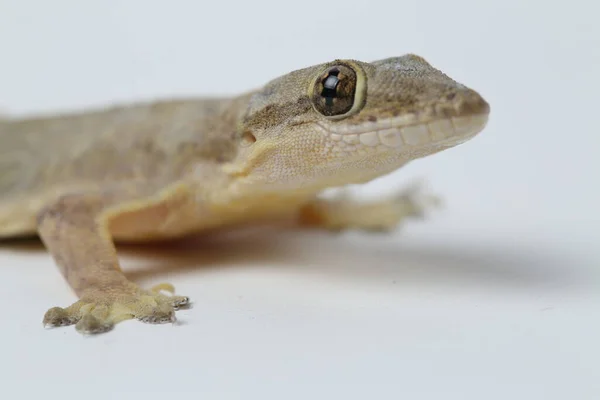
494, 297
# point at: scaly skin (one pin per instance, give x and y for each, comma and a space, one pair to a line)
168, 169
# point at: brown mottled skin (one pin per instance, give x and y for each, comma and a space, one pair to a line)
167, 169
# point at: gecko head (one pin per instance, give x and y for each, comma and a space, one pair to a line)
349, 122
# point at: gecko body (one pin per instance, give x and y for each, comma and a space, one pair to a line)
167, 169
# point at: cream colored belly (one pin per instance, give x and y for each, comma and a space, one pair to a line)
176, 217
179, 218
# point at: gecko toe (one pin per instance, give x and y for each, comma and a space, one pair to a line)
161, 312
180, 302
90, 325
417, 201
158, 317
167, 287
57, 316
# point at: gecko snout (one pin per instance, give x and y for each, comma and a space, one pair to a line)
468, 102
464, 116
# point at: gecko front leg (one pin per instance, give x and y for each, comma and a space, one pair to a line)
74, 229
345, 213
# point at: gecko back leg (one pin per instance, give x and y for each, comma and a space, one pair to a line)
74, 229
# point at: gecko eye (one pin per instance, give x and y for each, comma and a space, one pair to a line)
334, 91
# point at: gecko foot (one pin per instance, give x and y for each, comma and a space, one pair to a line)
383, 215
99, 310
414, 201
411, 202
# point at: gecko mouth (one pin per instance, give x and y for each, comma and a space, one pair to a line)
408, 131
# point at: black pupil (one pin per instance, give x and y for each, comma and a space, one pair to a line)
330, 84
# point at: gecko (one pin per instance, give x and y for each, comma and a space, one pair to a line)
164, 169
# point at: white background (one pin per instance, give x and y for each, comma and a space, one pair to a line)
495, 296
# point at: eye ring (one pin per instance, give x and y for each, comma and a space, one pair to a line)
338, 91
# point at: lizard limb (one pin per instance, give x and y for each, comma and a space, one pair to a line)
346, 213
74, 229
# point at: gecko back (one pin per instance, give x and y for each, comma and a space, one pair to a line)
15, 160
144, 144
